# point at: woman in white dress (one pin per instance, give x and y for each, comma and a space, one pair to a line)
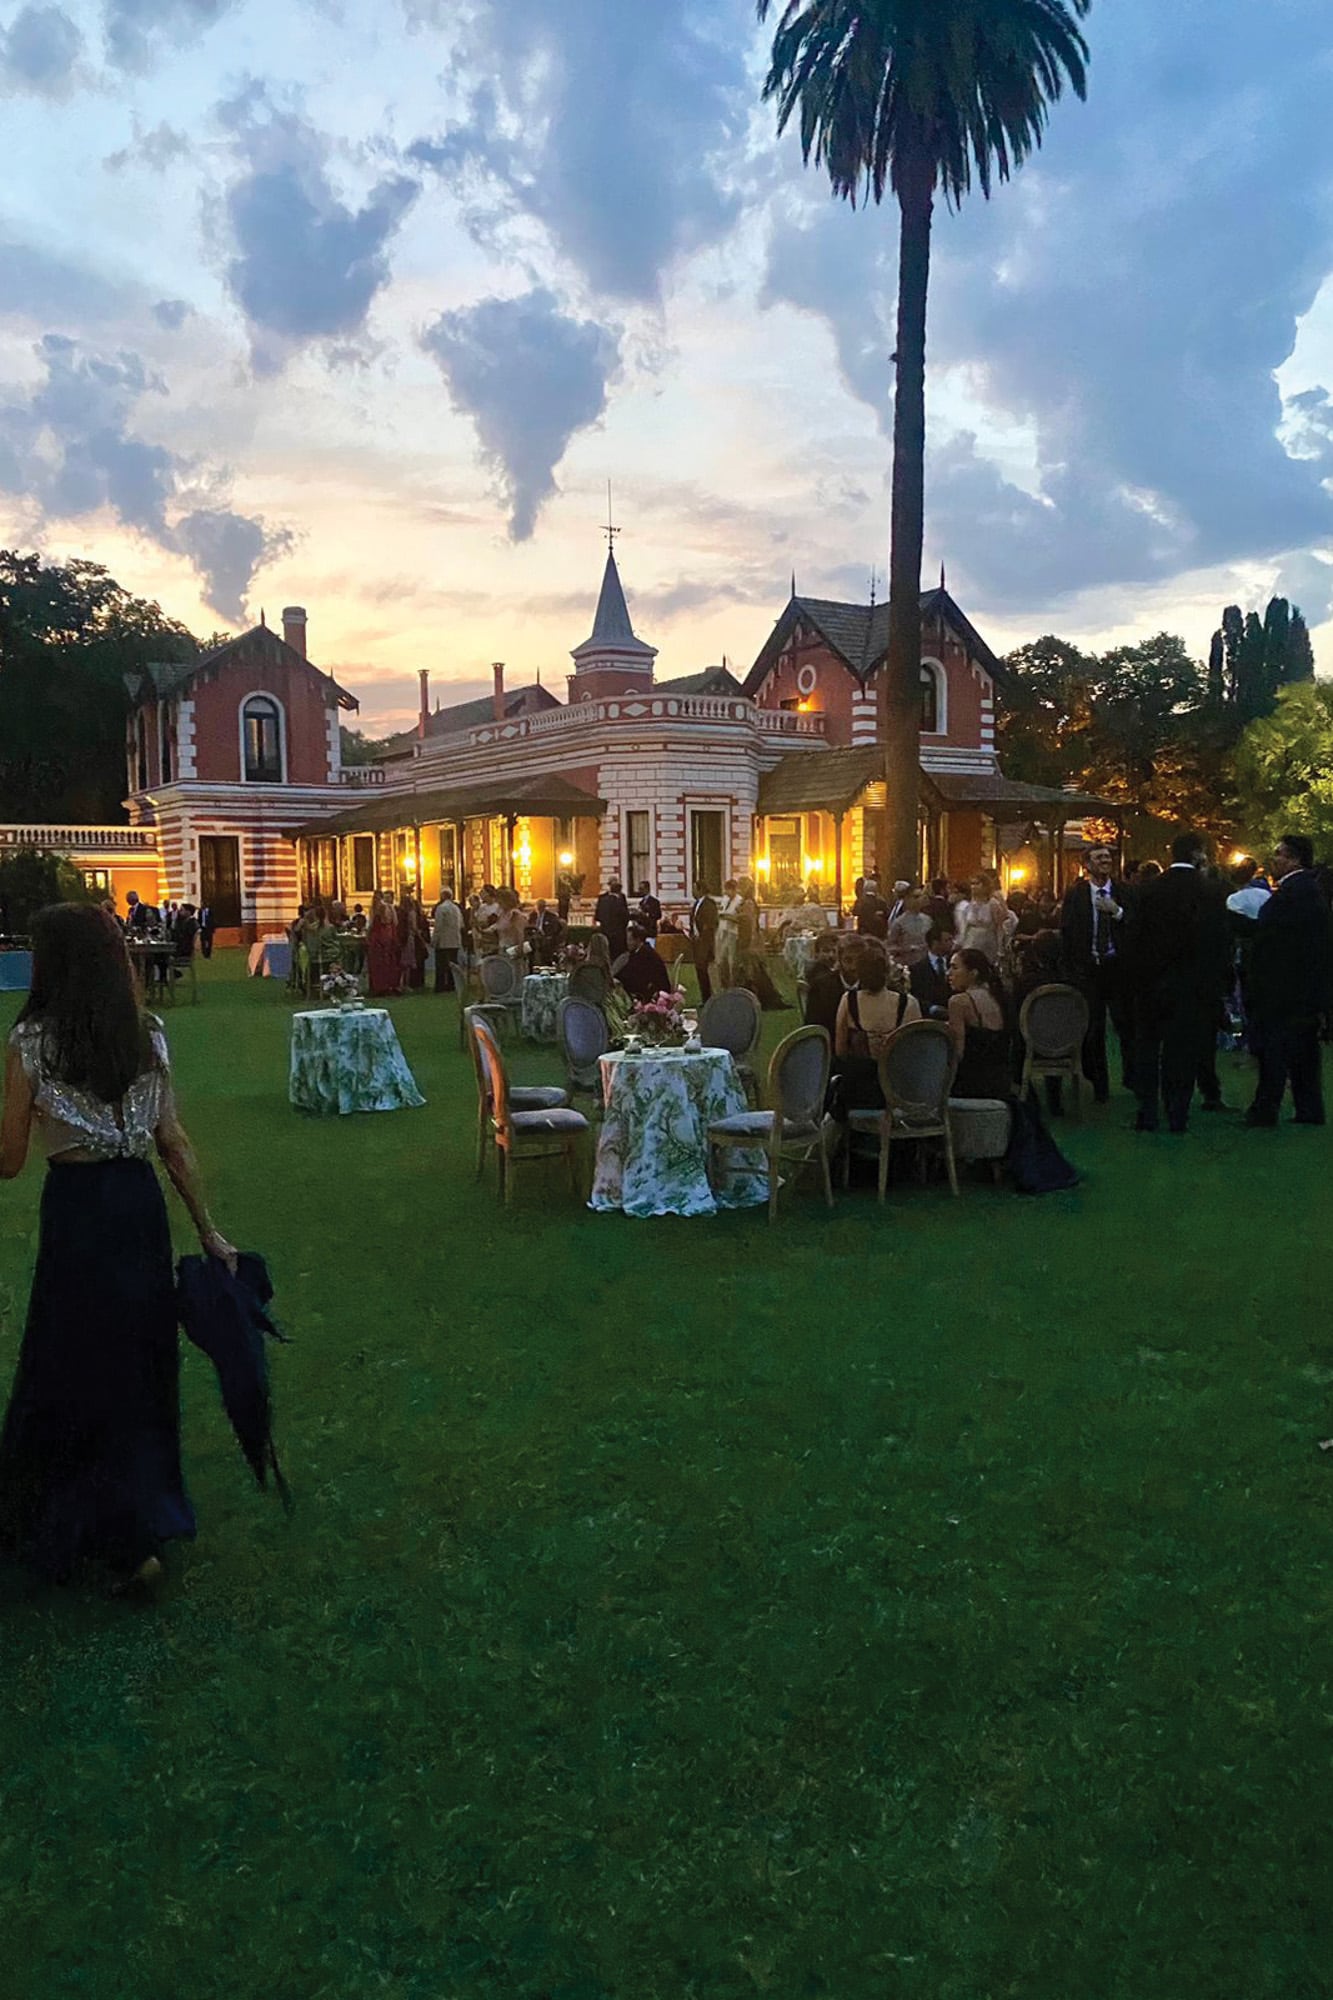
983, 921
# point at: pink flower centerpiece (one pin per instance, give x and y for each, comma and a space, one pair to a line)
660, 1020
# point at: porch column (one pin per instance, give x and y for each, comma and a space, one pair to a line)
511, 825
837, 862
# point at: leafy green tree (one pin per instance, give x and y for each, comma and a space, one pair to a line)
1233, 634
1284, 768
29, 880
68, 636
358, 748
916, 97
1045, 711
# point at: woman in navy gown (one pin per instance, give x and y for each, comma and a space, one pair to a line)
90, 1452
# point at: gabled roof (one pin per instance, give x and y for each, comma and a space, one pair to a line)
538, 797
859, 633
612, 631
833, 780
471, 715
710, 680
170, 677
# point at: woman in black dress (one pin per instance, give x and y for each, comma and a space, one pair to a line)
979, 1027
90, 1451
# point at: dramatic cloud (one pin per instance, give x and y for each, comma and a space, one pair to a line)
171, 314
623, 116
158, 149
67, 448
35, 285
1128, 300
136, 28
307, 265
529, 376
40, 51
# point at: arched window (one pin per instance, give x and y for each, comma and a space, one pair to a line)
933, 716
261, 736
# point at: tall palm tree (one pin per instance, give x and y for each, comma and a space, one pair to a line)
914, 96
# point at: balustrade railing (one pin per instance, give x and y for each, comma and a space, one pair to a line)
59, 839
650, 706
358, 776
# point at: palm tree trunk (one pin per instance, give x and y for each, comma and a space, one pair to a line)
899, 708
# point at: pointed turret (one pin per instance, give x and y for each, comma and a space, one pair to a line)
614, 660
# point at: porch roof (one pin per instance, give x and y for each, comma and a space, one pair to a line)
819, 780
535, 798
1009, 800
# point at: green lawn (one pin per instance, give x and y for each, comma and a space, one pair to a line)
929, 1602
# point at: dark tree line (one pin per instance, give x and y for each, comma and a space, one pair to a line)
1147, 726
68, 636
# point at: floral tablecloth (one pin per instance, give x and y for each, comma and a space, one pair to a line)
652, 1150
798, 950
349, 1061
540, 1007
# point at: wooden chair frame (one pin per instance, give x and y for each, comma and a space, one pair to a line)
511, 1143
1067, 1066
908, 1119
776, 1145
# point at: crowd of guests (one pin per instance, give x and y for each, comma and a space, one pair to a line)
1178, 961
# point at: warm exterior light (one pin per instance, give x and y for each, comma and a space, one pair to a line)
803, 707
566, 860
1237, 857
761, 865
409, 864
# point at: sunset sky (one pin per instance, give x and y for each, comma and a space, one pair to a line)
361, 306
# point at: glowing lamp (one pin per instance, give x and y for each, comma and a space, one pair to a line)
1237, 857
409, 863
566, 860
761, 865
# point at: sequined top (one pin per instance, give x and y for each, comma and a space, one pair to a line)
67, 1118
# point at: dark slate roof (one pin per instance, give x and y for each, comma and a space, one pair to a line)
541, 797
611, 628
989, 790
859, 633
711, 680
170, 677
471, 715
819, 780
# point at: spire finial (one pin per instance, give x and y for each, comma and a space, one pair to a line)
611, 529
793, 583
874, 581
942, 583
262, 619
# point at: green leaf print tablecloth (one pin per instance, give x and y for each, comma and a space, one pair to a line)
652, 1150
540, 1010
349, 1061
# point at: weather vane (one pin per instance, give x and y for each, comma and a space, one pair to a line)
611, 529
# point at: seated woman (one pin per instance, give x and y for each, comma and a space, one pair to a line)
616, 1005
868, 1015
979, 1027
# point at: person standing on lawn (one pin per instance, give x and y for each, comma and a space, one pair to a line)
611, 916
90, 1451
1181, 965
1290, 987
1092, 922
446, 932
703, 938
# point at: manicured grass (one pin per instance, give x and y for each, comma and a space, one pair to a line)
931, 1602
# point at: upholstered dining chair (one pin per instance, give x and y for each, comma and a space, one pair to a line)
584, 1039
536, 1134
543, 1097
502, 988
792, 1129
1053, 1021
732, 1020
916, 1070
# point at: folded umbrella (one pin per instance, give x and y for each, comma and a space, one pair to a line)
226, 1316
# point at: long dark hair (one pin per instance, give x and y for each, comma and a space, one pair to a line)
987, 976
94, 1034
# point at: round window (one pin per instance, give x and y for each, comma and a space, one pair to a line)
806, 680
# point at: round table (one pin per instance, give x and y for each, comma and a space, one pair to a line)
348, 1059
271, 958
540, 1004
652, 1149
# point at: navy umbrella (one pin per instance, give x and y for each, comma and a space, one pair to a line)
226, 1315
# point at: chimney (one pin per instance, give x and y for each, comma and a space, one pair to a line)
499, 671
423, 675
293, 628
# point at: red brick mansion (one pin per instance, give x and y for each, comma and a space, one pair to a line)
238, 798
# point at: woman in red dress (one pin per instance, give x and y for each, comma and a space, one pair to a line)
384, 958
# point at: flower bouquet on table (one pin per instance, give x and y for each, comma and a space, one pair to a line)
661, 1020
341, 989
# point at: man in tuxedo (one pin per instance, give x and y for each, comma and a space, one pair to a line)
611, 916
1290, 987
649, 912
823, 995
871, 911
139, 916
929, 977
643, 975
703, 938
545, 931
1092, 930
1181, 963
206, 929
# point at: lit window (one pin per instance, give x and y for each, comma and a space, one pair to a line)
263, 742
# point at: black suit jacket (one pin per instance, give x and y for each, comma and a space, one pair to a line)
1181, 942
611, 917
643, 975
822, 999
930, 989
703, 929
1076, 927
1291, 953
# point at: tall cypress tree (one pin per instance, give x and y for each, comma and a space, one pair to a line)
1277, 630
1217, 669
1233, 633
1300, 653
1251, 686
